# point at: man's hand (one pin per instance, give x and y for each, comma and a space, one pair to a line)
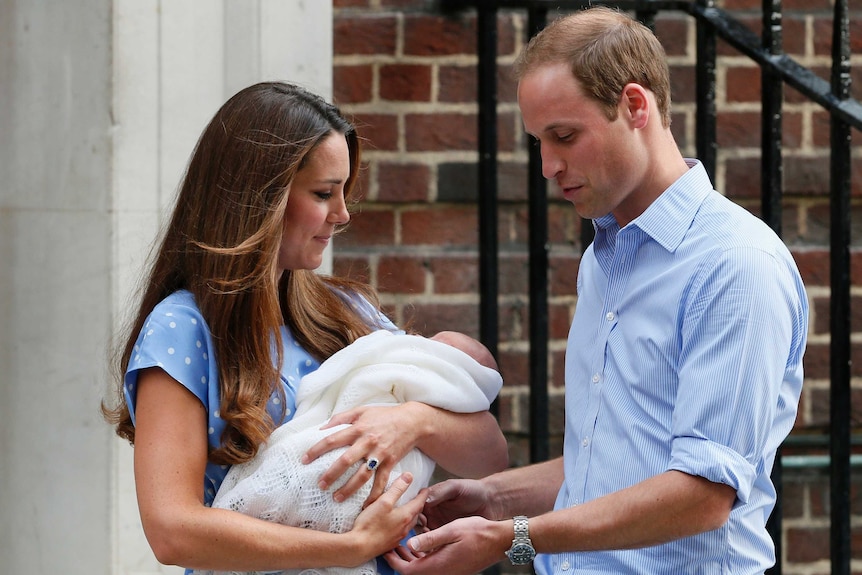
462, 547
458, 498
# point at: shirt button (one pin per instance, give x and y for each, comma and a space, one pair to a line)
610, 316
565, 566
596, 378
586, 441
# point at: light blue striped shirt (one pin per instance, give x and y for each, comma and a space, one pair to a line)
685, 353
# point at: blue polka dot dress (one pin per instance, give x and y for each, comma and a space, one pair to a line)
176, 338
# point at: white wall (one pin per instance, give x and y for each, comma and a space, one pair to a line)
101, 102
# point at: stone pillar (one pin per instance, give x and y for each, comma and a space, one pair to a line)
102, 101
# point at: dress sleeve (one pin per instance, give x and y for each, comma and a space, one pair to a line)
176, 339
374, 317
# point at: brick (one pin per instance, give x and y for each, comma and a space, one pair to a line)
672, 32
742, 178
352, 84
679, 129
355, 268
350, 4
458, 182
818, 224
514, 274
813, 266
807, 544
509, 129
403, 182
371, 227
823, 36
752, 23
457, 83
357, 35
507, 34
564, 274
821, 315
560, 320
455, 274
379, 131
742, 84
792, 499
793, 34
431, 35
440, 132
683, 86
558, 369
563, 224
740, 4
806, 176
401, 274
807, 5
408, 4
791, 130
439, 226
360, 189
820, 128
429, 318
735, 129
513, 320
792, 96
790, 232
405, 83
816, 362
515, 368
507, 86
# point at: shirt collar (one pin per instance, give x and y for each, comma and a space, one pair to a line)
669, 217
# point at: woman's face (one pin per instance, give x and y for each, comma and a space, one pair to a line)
315, 205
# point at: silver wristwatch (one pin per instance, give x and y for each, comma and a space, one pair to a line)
522, 550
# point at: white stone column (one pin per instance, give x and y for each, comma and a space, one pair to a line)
101, 102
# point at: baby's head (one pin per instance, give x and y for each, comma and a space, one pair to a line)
472, 347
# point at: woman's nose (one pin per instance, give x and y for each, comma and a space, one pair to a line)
339, 214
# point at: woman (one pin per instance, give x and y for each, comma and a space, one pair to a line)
232, 316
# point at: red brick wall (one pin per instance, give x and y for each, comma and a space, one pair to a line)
407, 73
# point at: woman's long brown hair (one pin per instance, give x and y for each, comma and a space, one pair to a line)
222, 243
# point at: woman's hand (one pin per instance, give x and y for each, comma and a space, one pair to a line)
385, 433
382, 524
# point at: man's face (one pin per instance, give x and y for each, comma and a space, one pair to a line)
596, 162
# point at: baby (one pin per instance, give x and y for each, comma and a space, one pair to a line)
450, 370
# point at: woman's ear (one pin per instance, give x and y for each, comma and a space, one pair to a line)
636, 104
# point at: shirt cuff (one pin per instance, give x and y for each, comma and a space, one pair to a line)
715, 462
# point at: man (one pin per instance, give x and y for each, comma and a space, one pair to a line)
684, 359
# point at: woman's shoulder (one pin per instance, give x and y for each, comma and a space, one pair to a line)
178, 310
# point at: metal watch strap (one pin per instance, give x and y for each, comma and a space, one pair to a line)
522, 527
522, 551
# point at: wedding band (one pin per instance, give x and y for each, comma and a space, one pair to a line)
372, 463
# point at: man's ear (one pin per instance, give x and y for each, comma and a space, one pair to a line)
635, 103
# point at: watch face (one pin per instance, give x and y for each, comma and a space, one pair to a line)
521, 553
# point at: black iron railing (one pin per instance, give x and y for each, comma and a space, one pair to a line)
777, 69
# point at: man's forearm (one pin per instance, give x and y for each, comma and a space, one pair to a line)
661, 509
529, 490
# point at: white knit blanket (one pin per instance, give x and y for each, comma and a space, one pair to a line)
381, 368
